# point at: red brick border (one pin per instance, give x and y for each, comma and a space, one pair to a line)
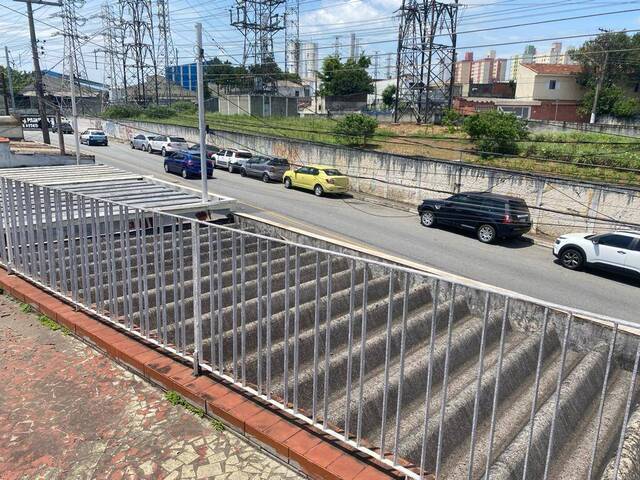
295, 442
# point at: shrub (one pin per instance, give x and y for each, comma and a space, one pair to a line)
159, 112
495, 132
451, 119
122, 111
184, 106
389, 96
355, 129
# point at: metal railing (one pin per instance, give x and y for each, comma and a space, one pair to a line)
423, 372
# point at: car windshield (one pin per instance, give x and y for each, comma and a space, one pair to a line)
177, 140
243, 155
332, 172
97, 132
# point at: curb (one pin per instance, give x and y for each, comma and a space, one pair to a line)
293, 441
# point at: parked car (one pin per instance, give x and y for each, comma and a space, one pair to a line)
232, 159
211, 150
94, 137
141, 142
64, 127
166, 145
489, 215
319, 178
186, 164
267, 168
617, 250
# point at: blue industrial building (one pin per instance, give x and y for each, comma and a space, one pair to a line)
183, 75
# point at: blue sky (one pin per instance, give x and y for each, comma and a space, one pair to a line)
374, 21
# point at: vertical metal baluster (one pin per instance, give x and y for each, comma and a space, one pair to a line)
476, 403
427, 396
387, 361
285, 373
138, 226
197, 297
445, 382
363, 340
405, 311
6, 223
125, 232
114, 272
4, 235
163, 281
60, 225
21, 244
145, 270
296, 331
534, 401
212, 300
84, 259
268, 320
183, 313
605, 383
496, 389
176, 289
71, 219
243, 318
565, 346
316, 342
97, 252
327, 345
156, 239
259, 329
23, 221
32, 265
108, 257
42, 270
234, 301
627, 411
11, 209
53, 282
352, 298
219, 290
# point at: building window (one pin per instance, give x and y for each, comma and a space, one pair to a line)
552, 84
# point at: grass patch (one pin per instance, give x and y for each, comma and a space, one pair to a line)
174, 398
25, 308
217, 425
51, 325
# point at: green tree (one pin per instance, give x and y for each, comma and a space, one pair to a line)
355, 129
389, 96
495, 132
19, 79
348, 78
622, 69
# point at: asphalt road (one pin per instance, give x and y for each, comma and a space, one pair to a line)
518, 266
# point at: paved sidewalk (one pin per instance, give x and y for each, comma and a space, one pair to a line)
67, 412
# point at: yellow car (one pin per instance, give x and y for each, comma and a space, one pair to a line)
319, 178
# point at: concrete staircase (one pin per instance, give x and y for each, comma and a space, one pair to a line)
457, 339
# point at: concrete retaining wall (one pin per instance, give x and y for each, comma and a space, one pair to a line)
558, 206
604, 125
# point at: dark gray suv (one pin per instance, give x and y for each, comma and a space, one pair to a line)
267, 168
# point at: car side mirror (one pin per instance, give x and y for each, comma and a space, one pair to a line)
595, 241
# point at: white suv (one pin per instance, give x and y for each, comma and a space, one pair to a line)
165, 145
232, 159
620, 250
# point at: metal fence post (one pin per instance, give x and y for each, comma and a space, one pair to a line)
197, 306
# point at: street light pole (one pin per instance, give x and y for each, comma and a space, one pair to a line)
603, 72
42, 110
74, 110
201, 125
10, 79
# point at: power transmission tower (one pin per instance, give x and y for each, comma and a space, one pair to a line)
336, 46
292, 37
114, 54
165, 44
73, 64
138, 45
426, 58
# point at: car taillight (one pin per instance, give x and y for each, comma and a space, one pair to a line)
507, 219
331, 181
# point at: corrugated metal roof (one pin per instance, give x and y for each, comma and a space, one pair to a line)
109, 183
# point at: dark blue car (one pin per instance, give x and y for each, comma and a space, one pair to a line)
186, 164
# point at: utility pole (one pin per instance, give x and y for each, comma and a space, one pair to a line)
201, 125
42, 109
10, 78
4, 93
60, 134
74, 110
603, 72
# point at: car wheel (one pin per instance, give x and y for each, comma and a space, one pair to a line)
243, 173
287, 182
132, 146
318, 191
486, 233
265, 178
149, 149
166, 168
572, 258
163, 152
184, 173
428, 218
230, 168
